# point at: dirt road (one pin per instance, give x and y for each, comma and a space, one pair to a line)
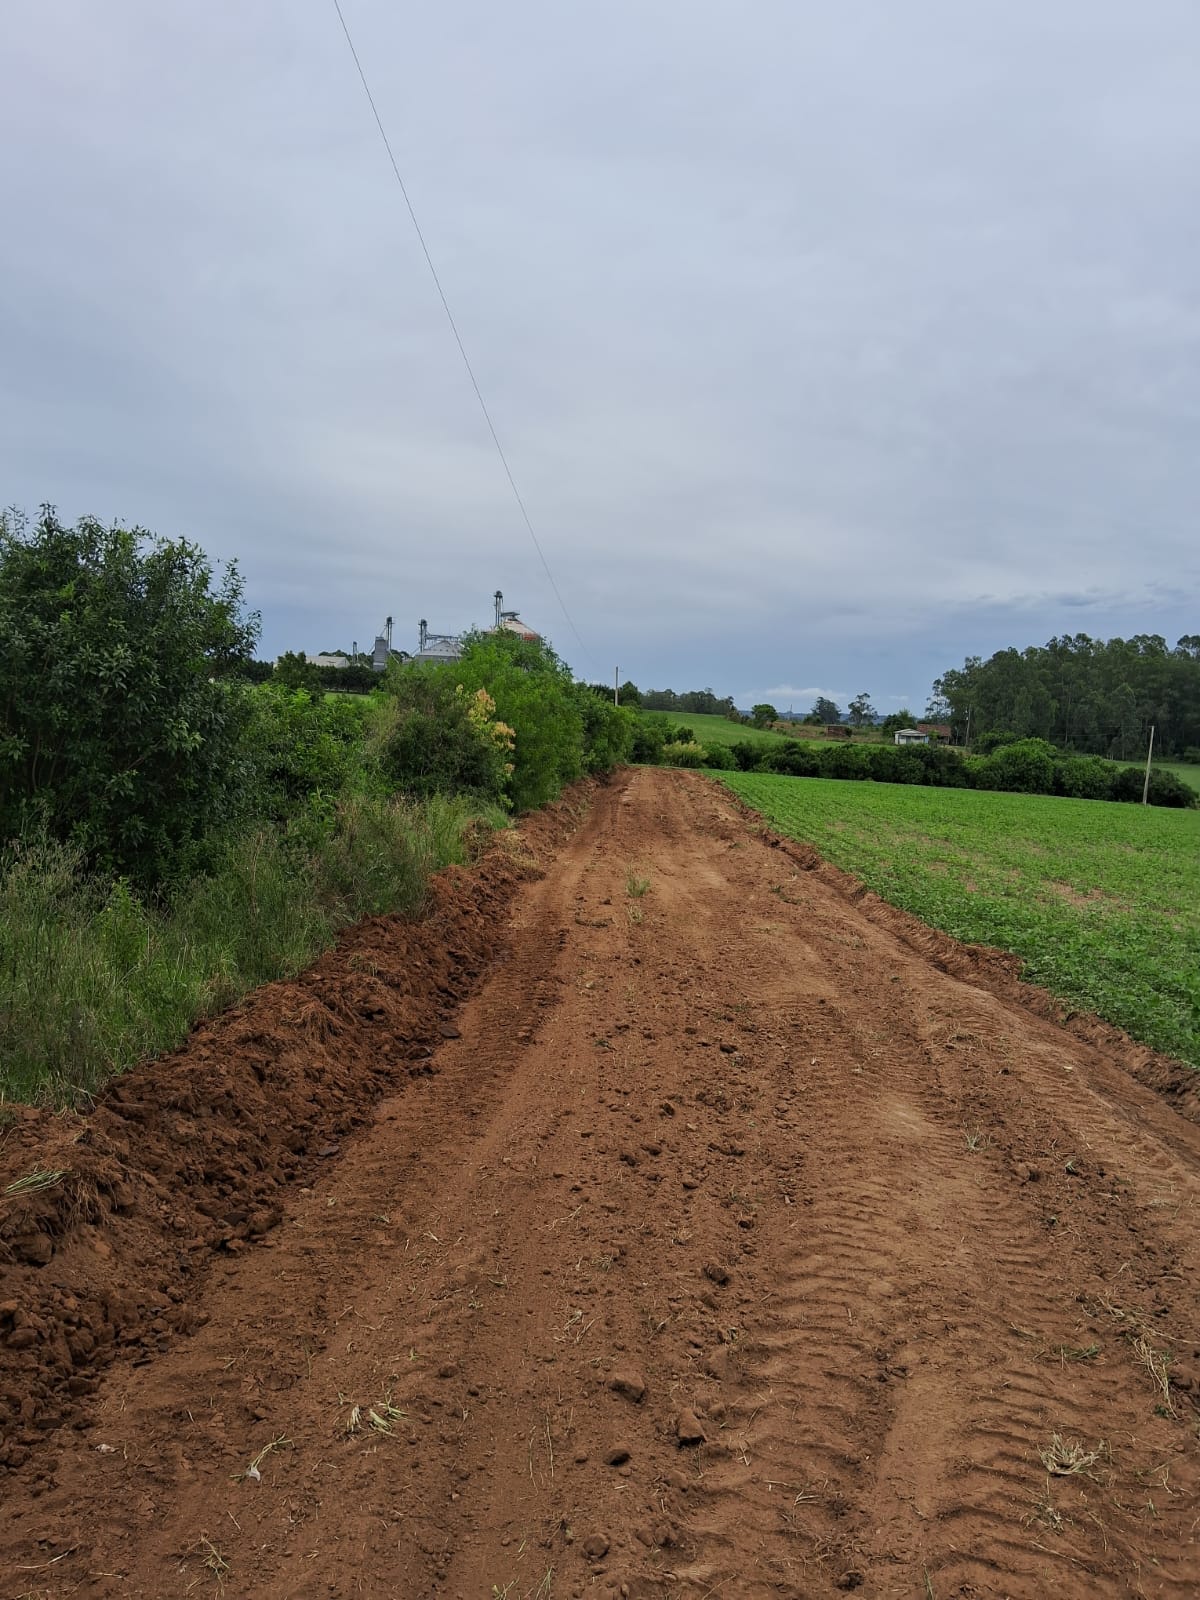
729, 1248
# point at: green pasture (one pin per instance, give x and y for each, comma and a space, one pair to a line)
719, 730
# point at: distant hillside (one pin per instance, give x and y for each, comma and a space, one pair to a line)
715, 730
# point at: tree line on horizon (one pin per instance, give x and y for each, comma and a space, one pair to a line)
1095, 696
1091, 696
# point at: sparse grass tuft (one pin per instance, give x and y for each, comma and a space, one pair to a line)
1157, 1363
39, 1178
1044, 1510
1064, 1458
636, 887
1076, 1352
253, 1472
215, 1561
379, 1416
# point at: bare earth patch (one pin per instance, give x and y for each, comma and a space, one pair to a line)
639, 1225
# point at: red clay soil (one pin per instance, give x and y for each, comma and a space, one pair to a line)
723, 1239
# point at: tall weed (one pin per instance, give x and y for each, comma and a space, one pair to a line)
94, 978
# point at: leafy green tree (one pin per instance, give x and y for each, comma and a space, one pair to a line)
899, 719
695, 702
294, 670
253, 671
120, 717
825, 710
536, 698
607, 729
1081, 694
760, 715
861, 710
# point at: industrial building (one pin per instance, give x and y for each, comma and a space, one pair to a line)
447, 646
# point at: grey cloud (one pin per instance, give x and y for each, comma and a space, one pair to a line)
826, 342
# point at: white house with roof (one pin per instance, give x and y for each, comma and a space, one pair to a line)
911, 736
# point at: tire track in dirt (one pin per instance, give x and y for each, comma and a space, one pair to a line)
728, 1248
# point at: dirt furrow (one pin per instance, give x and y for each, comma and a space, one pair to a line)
723, 1246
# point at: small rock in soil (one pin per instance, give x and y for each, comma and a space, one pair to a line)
629, 1384
688, 1429
596, 1547
716, 1273
617, 1456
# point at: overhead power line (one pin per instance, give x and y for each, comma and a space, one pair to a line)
462, 349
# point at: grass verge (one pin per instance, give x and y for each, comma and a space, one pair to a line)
93, 979
1101, 901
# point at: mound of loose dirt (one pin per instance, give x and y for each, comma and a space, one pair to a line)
185, 1156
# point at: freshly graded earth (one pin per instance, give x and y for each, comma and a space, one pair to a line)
660, 1216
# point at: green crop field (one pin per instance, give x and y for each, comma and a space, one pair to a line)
1101, 900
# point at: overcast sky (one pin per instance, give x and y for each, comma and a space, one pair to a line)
829, 342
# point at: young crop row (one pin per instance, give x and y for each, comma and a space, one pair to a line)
1102, 902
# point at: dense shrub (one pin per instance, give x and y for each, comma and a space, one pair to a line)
1026, 766
607, 730
535, 697
541, 729
946, 769
845, 761
648, 740
1029, 766
1165, 788
746, 755
442, 738
890, 763
680, 753
1083, 778
720, 757
301, 746
986, 743
120, 723
797, 760
1168, 789
179, 822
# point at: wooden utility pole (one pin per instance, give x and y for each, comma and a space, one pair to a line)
1149, 754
